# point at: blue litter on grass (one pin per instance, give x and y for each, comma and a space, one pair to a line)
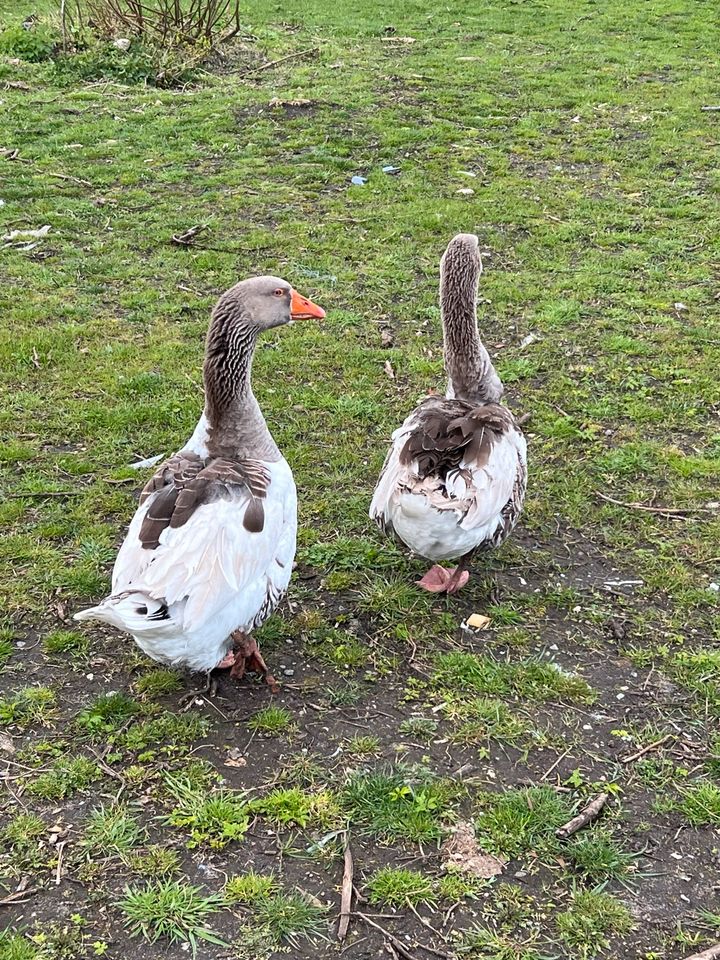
358, 181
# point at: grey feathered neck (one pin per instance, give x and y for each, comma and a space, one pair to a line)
472, 376
236, 426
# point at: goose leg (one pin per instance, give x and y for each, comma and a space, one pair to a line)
441, 580
247, 657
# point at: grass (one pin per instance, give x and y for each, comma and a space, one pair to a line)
250, 888
579, 129
170, 910
590, 919
397, 887
397, 805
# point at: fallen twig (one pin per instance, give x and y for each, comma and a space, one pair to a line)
346, 894
274, 63
663, 511
587, 815
187, 238
647, 749
44, 493
58, 870
710, 954
14, 898
523, 419
397, 944
712, 109
65, 176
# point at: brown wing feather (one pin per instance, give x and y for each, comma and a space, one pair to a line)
449, 431
186, 481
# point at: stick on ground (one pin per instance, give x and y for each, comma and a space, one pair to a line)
710, 954
586, 816
347, 891
647, 749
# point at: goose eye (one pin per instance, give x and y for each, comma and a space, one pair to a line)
279, 292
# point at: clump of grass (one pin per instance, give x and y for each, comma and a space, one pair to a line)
173, 910
701, 804
250, 888
337, 647
168, 732
484, 942
591, 919
34, 45
214, 817
154, 862
158, 683
22, 838
107, 714
27, 706
287, 916
478, 720
112, 831
65, 777
455, 886
271, 721
65, 641
599, 857
394, 804
422, 728
14, 946
6, 649
398, 886
512, 823
363, 745
293, 806
530, 679
699, 671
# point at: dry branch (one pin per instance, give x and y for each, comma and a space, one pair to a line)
710, 954
647, 749
587, 815
274, 63
346, 895
663, 511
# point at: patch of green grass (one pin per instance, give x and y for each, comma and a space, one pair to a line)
14, 946
251, 888
111, 830
337, 647
527, 680
295, 807
454, 886
154, 862
481, 719
395, 804
599, 856
363, 745
289, 916
172, 910
699, 671
419, 727
271, 721
700, 803
66, 776
158, 683
21, 837
517, 821
399, 886
65, 641
590, 921
6, 649
214, 818
27, 706
107, 714
167, 733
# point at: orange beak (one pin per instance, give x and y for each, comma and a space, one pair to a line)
303, 309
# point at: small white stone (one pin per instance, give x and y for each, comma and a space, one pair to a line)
620, 696
122, 43
89, 676
587, 726
465, 191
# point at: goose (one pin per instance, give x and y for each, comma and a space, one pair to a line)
210, 549
454, 478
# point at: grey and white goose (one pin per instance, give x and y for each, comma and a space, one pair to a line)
454, 478
210, 550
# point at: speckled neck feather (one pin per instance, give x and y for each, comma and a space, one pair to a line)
472, 377
236, 426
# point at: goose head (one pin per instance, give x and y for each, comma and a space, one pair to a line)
261, 303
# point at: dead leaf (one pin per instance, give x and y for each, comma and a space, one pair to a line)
276, 102
187, 238
386, 337
462, 853
6, 743
478, 621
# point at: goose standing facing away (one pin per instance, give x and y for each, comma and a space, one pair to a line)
454, 478
209, 552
